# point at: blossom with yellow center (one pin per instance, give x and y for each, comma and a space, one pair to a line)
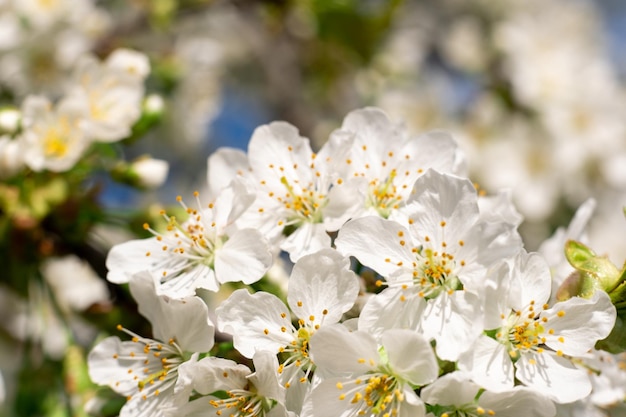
301, 195
385, 161
433, 258
202, 252
534, 342
53, 138
321, 289
373, 379
146, 370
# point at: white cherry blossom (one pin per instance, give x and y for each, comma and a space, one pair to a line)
533, 341
321, 289
53, 138
112, 92
433, 265
249, 394
203, 252
370, 378
384, 160
145, 370
300, 194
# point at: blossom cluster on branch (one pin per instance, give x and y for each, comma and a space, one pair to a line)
411, 293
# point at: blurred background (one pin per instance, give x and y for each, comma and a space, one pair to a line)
534, 91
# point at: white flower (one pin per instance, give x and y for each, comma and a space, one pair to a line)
249, 394
112, 92
203, 252
300, 195
151, 173
371, 379
385, 161
321, 289
53, 138
538, 340
223, 166
455, 395
146, 370
76, 285
434, 266
132, 62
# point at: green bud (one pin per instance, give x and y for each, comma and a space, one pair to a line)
593, 272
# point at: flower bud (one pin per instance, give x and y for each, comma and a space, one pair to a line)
151, 173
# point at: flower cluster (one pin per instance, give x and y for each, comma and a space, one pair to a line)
410, 294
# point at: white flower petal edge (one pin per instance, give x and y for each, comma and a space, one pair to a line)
322, 287
457, 395
186, 321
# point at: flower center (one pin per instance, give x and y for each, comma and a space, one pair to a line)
189, 244
243, 403
378, 395
303, 203
55, 139
152, 364
524, 331
383, 196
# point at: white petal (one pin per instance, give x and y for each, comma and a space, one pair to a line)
322, 286
279, 145
386, 310
337, 351
186, 321
375, 242
454, 321
440, 197
128, 258
554, 376
451, 389
325, 400
105, 369
245, 257
519, 402
248, 316
213, 374
437, 150
532, 281
410, 356
306, 239
223, 166
488, 364
579, 323
265, 376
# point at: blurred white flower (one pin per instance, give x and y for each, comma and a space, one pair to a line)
112, 92
75, 284
52, 137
